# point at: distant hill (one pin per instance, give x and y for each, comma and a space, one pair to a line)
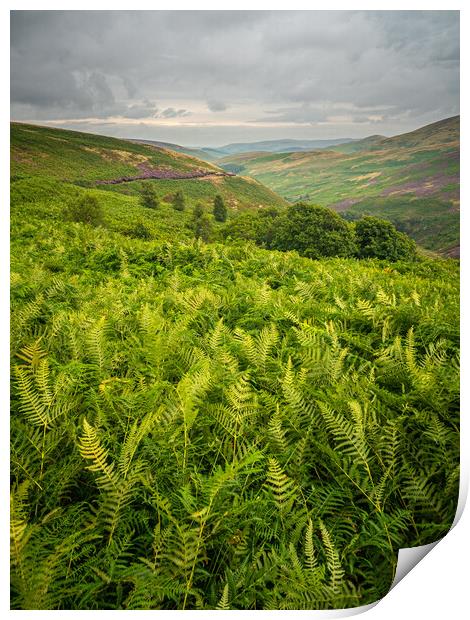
280, 146
358, 145
106, 163
411, 179
206, 154
212, 154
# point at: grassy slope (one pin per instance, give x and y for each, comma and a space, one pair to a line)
211, 362
82, 158
411, 179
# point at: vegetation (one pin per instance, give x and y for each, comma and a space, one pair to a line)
179, 202
318, 232
257, 226
218, 425
379, 239
201, 224
148, 197
314, 232
87, 210
220, 210
411, 180
87, 160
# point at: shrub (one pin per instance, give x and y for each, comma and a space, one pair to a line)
313, 231
220, 209
87, 210
201, 224
148, 197
140, 231
257, 226
179, 202
377, 238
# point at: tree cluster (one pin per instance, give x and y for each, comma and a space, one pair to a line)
318, 232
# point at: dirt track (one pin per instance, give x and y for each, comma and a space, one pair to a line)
156, 173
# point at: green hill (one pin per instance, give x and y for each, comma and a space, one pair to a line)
88, 160
213, 425
411, 179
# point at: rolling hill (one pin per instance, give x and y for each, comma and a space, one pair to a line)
205, 153
411, 179
281, 146
104, 163
212, 425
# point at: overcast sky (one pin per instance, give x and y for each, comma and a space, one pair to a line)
212, 77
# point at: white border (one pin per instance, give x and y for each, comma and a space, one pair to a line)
438, 587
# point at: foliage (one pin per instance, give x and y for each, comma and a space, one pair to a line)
411, 180
83, 159
200, 422
219, 426
219, 210
377, 238
140, 231
179, 202
257, 226
201, 224
313, 231
87, 210
148, 197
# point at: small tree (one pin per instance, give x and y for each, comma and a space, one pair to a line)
87, 210
179, 202
201, 224
220, 210
148, 197
313, 231
377, 238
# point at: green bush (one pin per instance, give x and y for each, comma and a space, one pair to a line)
140, 231
201, 224
377, 238
148, 197
314, 232
87, 210
220, 209
257, 226
179, 201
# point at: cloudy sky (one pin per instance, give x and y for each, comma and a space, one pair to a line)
212, 77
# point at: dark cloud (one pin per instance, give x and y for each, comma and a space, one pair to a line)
172, 113
401, 67
216, 106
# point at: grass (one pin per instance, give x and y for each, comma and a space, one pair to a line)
82, 159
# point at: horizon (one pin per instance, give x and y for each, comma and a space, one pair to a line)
211, 146
211, 78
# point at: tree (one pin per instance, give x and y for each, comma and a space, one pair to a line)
257, 226
220, 209
148, 197
201, 224
376, 238
179, 201
87, 210
313, 231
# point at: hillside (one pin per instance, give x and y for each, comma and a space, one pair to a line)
89, 160
206, 154
213, 425
411, 179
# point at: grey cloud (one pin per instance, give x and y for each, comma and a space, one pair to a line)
172, 113
301, 64
216, 106
140, 110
